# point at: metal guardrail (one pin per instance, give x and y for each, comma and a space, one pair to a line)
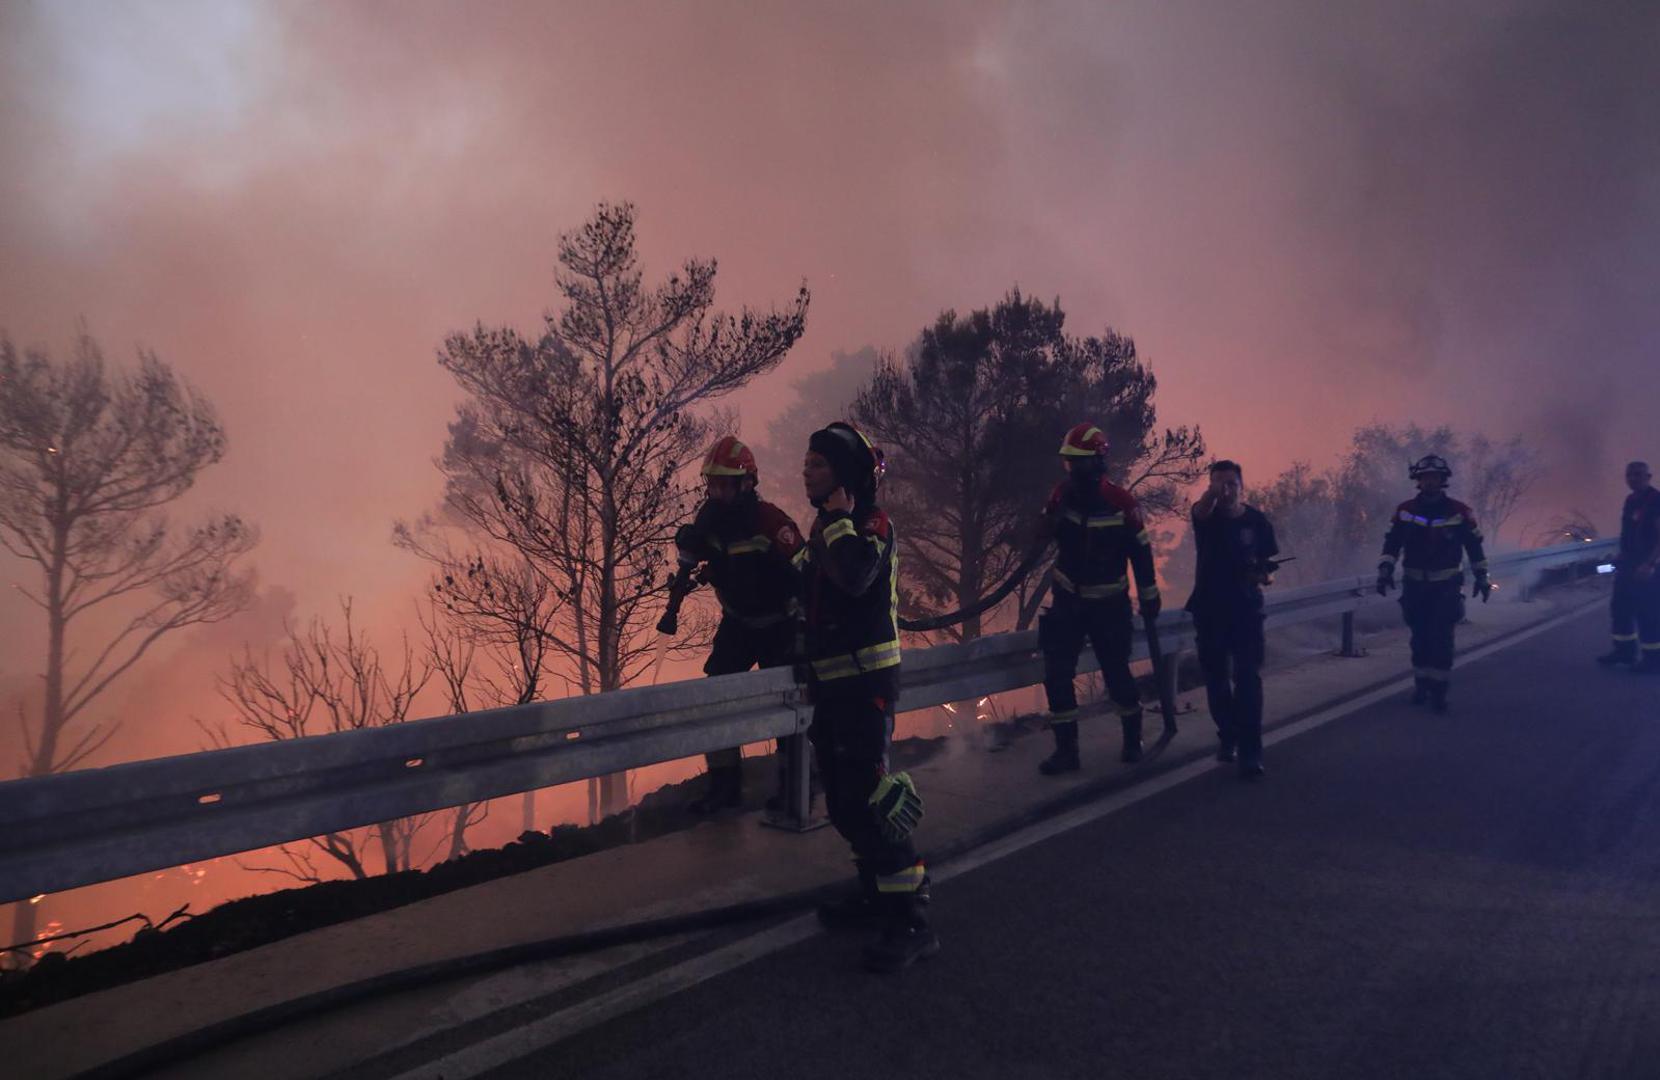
92, 825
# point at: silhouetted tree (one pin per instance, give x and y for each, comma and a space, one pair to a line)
569, 445
89, 459
970, 422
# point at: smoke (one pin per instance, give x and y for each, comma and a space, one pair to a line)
1311, 216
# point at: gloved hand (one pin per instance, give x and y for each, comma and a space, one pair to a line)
1386, 577
1151, 606
897, 806
1483, 589
693, 543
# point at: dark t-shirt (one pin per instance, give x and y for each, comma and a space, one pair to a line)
1639, 526
1231, 549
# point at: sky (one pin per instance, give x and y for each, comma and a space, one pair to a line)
1310, 215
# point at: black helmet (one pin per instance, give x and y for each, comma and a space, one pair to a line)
1430, 464
857, 462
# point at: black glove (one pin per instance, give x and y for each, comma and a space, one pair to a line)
1483, 589
1151, 606
695, 545
1386, 577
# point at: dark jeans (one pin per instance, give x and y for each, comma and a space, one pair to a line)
1231, 647
1432, 610
1062, 631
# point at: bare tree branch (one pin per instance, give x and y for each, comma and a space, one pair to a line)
569, 447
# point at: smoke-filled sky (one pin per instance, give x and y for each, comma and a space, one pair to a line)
1309, 214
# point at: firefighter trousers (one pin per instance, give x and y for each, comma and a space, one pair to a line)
1062, 631
1433, 609
851, 732
1231, 648
739, 647
1635, 608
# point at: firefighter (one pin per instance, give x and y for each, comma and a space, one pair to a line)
747, 548
1097, 529
1636, 602
1431, 534
1236, 552
851, 596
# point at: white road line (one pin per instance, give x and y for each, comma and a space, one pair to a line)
510, 1046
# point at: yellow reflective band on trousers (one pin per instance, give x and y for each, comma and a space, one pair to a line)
1625, 637
1650, 646
1149, 593
1065, 716
1144, 538
873, 658
1431, 575
1092, 592
837, 529
1128, 710
907, 880
1437, 674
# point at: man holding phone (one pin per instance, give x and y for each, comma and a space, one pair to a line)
1236, 550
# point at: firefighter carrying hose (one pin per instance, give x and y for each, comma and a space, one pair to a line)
1097, 530
1636, 603
851, 596
1431, 534
746, 547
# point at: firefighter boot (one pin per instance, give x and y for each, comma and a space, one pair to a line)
906, 935
725, 791
859, 909
1650, 663
1624, 652
1132, 738
1420, 691
1065, 757
1438, 696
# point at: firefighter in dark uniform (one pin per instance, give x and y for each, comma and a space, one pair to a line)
1097, 529
747, 547
1236, 550
851, 597
1431, 534
1636, 602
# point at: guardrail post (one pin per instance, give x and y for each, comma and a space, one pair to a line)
795, 797
1348, 647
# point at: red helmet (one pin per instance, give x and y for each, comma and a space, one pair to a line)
729, 457
1084, 440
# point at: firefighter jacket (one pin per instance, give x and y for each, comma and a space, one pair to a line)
1096, 533
1639, 529
850, 583
1432, 538
750, 547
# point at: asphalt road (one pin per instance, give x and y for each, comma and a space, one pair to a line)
1404, 895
